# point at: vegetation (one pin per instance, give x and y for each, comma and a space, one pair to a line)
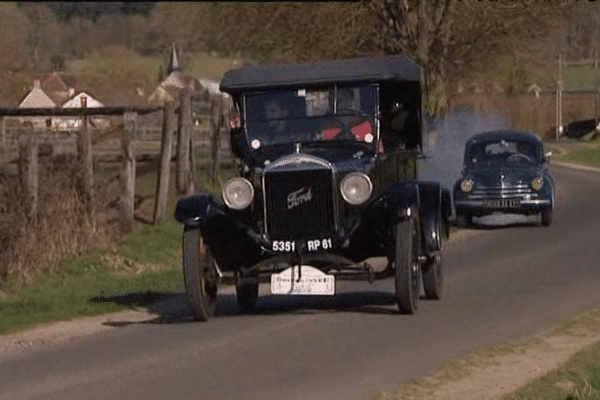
586, 156
468, 43
62, 277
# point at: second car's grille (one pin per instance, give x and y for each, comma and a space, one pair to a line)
500, 192
299, 204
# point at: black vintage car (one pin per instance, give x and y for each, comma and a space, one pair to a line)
327, 179
504, 171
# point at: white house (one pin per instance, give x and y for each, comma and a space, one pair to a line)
49, 92
37, 98
78, 101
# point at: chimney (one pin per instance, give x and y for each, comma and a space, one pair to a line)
37, 84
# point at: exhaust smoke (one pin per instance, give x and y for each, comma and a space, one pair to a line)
444, 142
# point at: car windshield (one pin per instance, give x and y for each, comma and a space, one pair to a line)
519, 152
310, 115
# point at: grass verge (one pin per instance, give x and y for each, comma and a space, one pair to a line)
589, 155
144, 266
508, 364
148, 262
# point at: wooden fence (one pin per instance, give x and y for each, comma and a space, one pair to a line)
178, 135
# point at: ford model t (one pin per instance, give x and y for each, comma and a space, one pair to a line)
327, 180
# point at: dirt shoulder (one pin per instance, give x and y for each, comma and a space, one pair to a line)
48, 335
491, 374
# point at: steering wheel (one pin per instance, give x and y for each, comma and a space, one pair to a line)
518, 157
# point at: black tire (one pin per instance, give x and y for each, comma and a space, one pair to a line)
433, 277
247, 295
464, 220
547, 215
200, 276
407, 270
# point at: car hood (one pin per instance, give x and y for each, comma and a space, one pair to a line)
503, 175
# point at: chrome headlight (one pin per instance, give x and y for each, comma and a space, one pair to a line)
467, 185
238, 193
356, 188
537, 184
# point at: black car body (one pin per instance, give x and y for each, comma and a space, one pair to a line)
504, 171
327, 179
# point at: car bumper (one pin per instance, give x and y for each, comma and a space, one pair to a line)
507, 205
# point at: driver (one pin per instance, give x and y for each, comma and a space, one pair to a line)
276, 113
349, 111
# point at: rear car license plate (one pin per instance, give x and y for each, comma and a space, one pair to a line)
312, 282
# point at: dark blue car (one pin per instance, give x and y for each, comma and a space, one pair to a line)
504, 171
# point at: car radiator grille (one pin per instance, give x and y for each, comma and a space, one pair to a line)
299, 204
499, 192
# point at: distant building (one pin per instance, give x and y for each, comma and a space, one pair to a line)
50, 91
176, 81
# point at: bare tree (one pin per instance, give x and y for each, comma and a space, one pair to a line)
13, 38
292, 31
454, 38
40, 31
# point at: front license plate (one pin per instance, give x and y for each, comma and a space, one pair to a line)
311, 281
502, 203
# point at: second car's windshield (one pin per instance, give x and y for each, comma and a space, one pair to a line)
511, 151
304, 115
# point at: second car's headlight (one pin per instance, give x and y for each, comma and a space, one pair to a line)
356, 188
466, 185
537, 184
238, 193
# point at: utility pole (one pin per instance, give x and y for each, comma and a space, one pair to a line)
559, 98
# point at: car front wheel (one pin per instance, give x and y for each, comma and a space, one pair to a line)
464, 220
407, 267
200, 275
547, 216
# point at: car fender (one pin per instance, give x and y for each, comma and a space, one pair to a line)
232, 241
551, 186
436, 207
193, 210
399, 197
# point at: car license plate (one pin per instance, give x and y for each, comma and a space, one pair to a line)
502, 203
312, 282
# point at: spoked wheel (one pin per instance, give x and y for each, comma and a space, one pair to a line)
200, 275
406, 259
247, 295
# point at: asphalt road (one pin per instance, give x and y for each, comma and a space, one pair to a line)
506, 279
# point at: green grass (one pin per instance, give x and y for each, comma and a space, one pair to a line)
100, 282
589, 157
147, 262
579, 377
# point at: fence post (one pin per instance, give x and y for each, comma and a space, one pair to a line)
84, 144
184, 182
162, 186
216, 118
29, 173
3, 127
127, 176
